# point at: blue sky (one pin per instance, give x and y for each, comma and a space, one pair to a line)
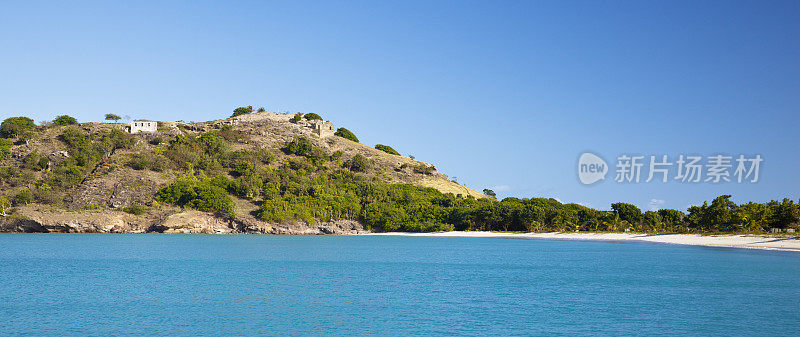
504, 95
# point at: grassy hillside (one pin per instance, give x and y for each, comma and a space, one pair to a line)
256, 167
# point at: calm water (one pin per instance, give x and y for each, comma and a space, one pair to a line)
73, 284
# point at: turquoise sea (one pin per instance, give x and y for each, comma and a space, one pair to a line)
188, 285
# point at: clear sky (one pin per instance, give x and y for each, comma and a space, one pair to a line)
499, 94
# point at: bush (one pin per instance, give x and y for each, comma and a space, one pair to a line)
213, 143
65, 176
15, 126
296, 118
242, 110
46, 195
24, 197
299, 146
5, 148
387, 149
135, 209
197, 193
64, 120
358, 163
144, 161
424, 169
261, 109
312, 116
93, 207
346, 134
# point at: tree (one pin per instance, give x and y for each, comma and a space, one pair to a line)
627, 212
672, 217
64, 120
489, 193
387, 149
784, 214
345, 133
242, 110
261, 109
722, 213
113, 117
312, 116
296, 118
15, 126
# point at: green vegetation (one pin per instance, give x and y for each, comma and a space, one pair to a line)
135, 209
197, 193
296, 118
64, 120
15, 126
242, 110
387, 149
312, 116
113, 117
346, 134
358, 163
5, 147
489, 193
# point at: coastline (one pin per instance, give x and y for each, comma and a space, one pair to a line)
722, 241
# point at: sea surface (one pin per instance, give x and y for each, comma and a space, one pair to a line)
188, 285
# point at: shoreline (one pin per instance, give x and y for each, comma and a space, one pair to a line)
791, 244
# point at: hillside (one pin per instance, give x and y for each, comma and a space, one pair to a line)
96, 177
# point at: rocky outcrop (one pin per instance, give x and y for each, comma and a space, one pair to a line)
181, 222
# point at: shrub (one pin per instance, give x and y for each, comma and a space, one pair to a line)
93, 207
424, 169
24, 197
296, 118
142, 161
197, 193
261, 109
46, 195
64, 120
312, 116
213, 143
242, 110
358, 163
65, 176
346, 134
156, 140
387, 149
135, 209
15, 126
299, 146
5, 148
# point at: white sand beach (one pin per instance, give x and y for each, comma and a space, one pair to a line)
738, 241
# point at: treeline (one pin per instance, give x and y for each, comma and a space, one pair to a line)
310, 185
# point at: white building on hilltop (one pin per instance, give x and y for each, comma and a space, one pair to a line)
142, 126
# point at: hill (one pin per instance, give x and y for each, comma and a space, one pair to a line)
258, 172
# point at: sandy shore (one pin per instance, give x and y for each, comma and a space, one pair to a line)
738, 241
